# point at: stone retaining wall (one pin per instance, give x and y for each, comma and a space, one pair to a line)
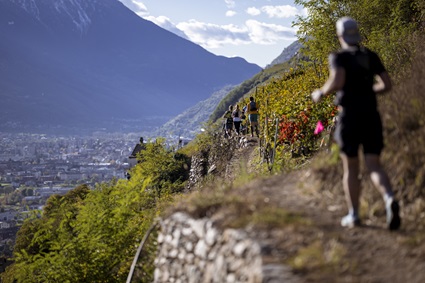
214, 159
194, 251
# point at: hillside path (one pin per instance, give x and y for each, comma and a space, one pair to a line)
323, 251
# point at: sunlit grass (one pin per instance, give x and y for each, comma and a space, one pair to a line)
240, 207
325, 256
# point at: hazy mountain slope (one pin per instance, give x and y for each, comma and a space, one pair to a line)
287, 53
90, 64
189, 122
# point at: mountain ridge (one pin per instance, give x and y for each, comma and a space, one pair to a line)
122, 68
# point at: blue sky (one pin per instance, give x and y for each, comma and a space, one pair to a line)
256, 30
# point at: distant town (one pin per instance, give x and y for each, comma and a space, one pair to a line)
34, 166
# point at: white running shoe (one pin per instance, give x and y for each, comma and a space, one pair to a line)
350, 221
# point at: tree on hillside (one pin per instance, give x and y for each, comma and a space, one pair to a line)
40, 241
166, 169
386, 26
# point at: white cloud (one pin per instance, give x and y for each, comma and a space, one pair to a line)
212, 35
215, 36
230, 13
167, 24
253, 11
137, 6
263, 33
230, 3
285, 11
161, 21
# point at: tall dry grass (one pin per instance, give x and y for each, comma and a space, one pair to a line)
404, 120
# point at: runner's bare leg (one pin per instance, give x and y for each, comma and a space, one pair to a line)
378, 175
351, 183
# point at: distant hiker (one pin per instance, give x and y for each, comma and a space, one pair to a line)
228, 122
237, 119
244, 122
252, 110
357, 74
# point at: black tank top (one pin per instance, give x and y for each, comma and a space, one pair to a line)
360, 65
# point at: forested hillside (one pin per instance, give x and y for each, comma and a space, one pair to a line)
92, 235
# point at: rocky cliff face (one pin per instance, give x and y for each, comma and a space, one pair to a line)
287, 54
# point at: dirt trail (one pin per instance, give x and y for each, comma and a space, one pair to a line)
242, 158
323, 251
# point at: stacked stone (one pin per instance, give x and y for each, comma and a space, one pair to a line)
198, 168
194, 251
207, 162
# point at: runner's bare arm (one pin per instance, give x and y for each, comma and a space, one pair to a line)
383, 83
335, 82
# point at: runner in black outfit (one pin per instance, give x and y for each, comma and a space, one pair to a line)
357, 74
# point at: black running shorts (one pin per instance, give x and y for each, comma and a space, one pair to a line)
357, 129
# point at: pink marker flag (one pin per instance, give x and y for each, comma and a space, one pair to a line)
319, 128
